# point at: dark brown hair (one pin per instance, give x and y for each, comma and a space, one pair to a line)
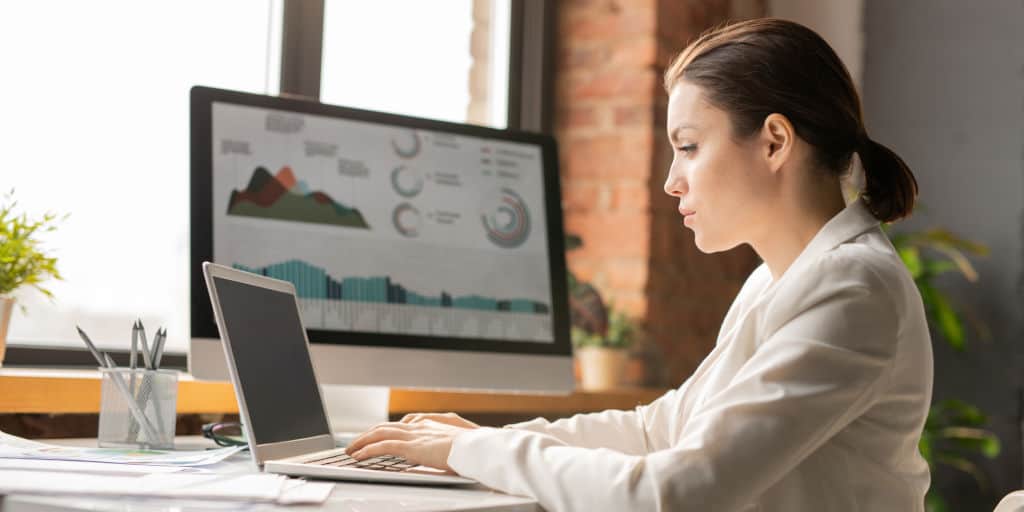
758, 67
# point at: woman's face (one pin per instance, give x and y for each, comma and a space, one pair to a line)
721, 183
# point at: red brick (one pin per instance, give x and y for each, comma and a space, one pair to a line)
610, 126
611, 234
586, 196
628, 115
576, 117
627, 274
586, 57
632, 303
637, 52
582, 267
630, 196
603, 25
607, 156
618, 84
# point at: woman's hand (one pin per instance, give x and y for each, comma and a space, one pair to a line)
424, 439
448, 418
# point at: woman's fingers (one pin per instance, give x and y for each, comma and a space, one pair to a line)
426, 442
377, 434
398, 448
448, 418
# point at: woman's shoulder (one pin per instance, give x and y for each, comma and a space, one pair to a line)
870, 259
864, 272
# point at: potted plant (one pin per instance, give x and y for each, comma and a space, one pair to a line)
22, 260
955, 431
602, 357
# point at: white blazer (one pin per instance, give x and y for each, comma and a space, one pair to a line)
813, 399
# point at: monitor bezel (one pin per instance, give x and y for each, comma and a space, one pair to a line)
202, 322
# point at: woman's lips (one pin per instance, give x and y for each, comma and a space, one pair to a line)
687, 215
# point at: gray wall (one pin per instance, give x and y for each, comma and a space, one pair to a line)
944, 88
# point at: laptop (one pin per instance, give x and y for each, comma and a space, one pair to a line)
279, 399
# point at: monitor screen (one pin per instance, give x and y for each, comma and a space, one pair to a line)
394, 233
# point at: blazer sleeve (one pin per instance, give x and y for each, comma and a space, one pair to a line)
623, 431
810, 378
631, 432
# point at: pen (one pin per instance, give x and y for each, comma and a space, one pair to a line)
92, 348
146, 361
132, 406
106, 362
158, 351
132, 356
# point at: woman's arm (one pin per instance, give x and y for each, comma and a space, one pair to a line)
622, 431
809, 380
629, 432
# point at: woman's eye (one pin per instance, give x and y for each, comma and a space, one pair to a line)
688, 148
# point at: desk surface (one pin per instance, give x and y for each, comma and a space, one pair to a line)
69, 391
347, 496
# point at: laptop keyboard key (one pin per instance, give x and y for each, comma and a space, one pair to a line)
329, 460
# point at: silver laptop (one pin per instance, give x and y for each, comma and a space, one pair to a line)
279, 400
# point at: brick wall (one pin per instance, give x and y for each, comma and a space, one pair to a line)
610, 124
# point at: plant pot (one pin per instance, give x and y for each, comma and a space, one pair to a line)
601, 368
6, 311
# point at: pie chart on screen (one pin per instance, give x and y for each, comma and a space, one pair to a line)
506, 219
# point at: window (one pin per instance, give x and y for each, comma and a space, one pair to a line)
412, 64
95, 106
95, 103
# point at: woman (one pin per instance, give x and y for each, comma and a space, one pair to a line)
819, 384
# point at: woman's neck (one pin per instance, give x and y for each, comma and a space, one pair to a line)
796, 220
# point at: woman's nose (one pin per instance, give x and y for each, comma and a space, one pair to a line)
675, 185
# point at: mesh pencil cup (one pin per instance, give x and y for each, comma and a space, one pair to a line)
138, 408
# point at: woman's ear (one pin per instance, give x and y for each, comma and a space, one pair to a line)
778, 138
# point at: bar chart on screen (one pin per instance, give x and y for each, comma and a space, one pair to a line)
383, 304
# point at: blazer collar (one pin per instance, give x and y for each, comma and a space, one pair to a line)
852, 221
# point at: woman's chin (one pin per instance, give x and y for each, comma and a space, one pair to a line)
707, 246
702, 244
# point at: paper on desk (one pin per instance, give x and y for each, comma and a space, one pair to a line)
260, 487
301, 492
13, 447
87, 467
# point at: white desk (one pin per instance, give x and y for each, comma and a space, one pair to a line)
347, 497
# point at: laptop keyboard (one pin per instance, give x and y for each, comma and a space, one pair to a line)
382, 463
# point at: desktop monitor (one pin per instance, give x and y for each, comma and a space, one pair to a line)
424, 253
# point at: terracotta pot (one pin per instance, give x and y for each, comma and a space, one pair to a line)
601, 368
6, 310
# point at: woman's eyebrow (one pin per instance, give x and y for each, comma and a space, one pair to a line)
674, 135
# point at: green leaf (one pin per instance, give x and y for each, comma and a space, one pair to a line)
938, 267
925, 446
949, 322
22, 260
960, 413
935, 503
973, 440
912, 259
943, 238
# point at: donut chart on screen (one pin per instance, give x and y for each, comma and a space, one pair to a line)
507, 223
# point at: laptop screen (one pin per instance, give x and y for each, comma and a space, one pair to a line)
272, 362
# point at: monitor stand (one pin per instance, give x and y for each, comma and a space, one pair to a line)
352, 410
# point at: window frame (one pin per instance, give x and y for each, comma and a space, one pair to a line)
530, 94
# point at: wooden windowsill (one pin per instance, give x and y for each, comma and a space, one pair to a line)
70, 391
